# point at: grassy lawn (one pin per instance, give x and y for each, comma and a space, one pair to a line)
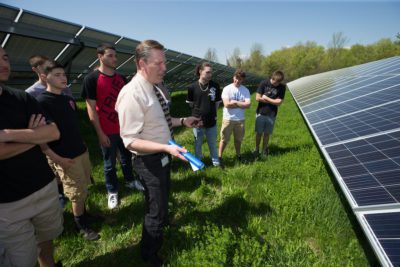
284, 210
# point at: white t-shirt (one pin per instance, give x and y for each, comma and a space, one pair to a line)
232, 92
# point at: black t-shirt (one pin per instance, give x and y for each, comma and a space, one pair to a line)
62, 110
266, 88
204, 102
27, 172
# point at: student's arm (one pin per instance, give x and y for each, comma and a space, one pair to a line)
229, 103
9, 150
276, 102
38, 135
94, 119
259, 98
65, 163
16, 141
245, 104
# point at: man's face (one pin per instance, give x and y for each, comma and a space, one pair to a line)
57, 79
275, 81
109, 59
237, 81
4, 66
155, 66
205, 74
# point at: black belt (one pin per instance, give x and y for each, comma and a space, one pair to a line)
148, 156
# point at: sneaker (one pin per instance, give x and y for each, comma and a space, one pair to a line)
264, 153
112, 200
239, 158
89, 234
216, 163
135, 184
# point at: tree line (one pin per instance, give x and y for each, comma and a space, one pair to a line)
309, 58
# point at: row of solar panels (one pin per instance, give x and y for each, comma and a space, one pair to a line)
354, 115
24, 33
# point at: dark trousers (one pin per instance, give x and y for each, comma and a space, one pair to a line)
110, 158
156, 180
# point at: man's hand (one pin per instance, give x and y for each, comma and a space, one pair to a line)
193, 122
175, 151
36, 120
104, 140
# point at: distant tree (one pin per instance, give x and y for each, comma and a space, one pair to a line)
397, 41
235, 59
338, 41
254, 63
297, 61
361, 54
385, 48
335, 49
211, 55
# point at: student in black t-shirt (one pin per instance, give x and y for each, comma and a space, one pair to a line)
70, 154
30, 214
204, 97
269, 95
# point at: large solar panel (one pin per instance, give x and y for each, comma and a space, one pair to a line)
24, 33
354, 115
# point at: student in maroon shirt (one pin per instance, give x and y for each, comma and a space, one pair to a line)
100, 89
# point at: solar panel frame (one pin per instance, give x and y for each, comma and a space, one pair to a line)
355, 120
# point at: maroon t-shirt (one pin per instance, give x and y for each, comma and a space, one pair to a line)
104, 89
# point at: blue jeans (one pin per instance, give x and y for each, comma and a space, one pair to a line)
110, 156
211, 135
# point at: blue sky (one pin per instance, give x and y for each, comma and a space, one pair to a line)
194, 26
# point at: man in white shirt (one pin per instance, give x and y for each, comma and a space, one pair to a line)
146, 128
236, 99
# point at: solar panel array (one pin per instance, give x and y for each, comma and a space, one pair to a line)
354, 115
24, 33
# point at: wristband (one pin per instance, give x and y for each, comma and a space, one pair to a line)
182, 119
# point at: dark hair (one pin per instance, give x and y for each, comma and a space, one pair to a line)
101, 48
239, 74
201, 67
53, 65
278, 76
143, 49
37, 60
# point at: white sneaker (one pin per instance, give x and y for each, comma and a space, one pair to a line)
112, 200
135, 184
138, 185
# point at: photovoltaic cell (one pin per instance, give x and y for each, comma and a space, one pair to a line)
368, 170
354, 114
386, 228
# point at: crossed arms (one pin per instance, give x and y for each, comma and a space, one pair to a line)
16, 141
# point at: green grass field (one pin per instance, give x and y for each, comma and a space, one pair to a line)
284, 210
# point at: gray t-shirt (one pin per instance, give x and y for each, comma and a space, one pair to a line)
37, 88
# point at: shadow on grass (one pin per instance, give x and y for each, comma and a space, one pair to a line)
128, 256
277, 150
233, 213
191, 182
